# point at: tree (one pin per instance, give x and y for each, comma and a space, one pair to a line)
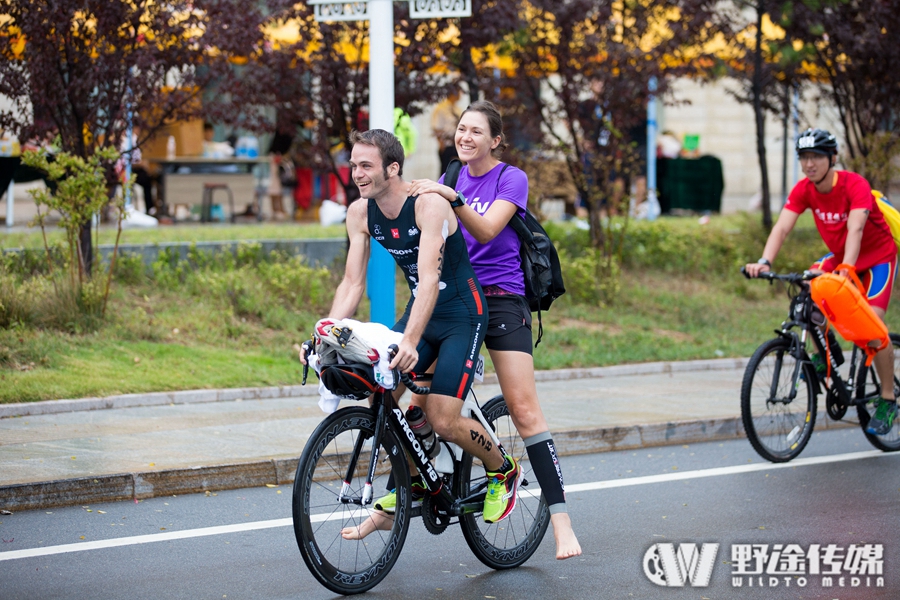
767, 67
613, 48
430, 57
852, 48
77, 67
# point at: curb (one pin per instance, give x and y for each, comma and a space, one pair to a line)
280, 471
48, 407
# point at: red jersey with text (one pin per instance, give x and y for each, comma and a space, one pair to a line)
831, 211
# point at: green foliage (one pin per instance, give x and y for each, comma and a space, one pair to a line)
684, 247
877, 165
591, 278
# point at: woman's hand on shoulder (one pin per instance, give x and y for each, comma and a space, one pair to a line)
417, 187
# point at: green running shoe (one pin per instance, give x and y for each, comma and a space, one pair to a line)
502, 489
388, 502
883, 420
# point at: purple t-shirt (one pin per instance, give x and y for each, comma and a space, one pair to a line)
497, 262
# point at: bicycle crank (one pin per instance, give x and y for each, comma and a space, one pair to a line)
835, 408
435, 520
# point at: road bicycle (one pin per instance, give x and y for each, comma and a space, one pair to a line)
358, 452
780, 389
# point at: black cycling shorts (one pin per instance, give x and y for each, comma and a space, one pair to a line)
509, 327
454, 343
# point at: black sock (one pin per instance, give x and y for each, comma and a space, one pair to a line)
545, 463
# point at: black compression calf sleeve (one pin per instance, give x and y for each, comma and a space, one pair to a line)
542, 454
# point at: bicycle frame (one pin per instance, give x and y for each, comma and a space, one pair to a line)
800, 315
390, 415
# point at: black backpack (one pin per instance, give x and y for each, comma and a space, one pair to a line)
540, 261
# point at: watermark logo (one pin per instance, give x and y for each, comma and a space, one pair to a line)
768, 565
786, 565
670, 566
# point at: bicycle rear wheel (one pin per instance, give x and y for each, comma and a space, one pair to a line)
867, 385
348, 566
778, 428
512, 541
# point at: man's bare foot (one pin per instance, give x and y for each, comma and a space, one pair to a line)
567, 544
377, 520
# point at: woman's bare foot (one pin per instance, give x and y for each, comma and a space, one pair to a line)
377, 520
567, 544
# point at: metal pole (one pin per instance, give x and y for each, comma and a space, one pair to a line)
129, 148
653, 208
380, 278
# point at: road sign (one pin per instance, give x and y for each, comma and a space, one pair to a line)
330, 10
339, 10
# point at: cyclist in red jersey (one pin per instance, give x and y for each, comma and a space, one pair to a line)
855, 232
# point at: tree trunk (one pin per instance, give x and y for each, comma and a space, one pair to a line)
87, 247
761, 121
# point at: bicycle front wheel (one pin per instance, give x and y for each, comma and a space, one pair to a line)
321, 511
777, 426
868, 386
512, 541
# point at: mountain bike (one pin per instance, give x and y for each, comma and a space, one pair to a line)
358, 452
780, 389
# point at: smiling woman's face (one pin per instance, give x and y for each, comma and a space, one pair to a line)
473, 137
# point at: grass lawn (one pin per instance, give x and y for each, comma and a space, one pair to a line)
162, 341
229, 329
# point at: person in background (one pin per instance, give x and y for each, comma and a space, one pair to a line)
443, 127
854, 230
141, 170
488, 194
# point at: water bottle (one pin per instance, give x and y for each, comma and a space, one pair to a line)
170, 147
422, 428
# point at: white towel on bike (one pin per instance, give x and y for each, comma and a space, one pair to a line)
374, 335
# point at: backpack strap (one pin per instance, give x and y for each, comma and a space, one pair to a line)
525, 237
451, 175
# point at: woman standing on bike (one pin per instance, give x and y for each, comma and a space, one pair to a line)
852, 226
487, 195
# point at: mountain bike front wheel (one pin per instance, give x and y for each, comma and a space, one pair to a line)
512, 541
868, 385
777, 426
320, 513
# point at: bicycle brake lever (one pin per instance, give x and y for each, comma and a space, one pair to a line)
307, 345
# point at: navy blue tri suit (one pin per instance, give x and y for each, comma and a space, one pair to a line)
457, 326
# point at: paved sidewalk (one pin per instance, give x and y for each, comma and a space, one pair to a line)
140, 446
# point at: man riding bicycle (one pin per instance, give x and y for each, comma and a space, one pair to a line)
446, 318
854, 230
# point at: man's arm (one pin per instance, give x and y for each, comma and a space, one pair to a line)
783, 226
856, 222
434, 219
350, 291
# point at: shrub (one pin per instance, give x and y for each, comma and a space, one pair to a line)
591, 278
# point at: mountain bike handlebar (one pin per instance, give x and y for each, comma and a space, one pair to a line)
789, 277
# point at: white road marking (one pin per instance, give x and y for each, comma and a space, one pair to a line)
581, 487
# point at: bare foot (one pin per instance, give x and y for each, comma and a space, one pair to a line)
567, 544
377, 520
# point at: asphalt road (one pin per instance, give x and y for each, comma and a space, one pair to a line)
239, 544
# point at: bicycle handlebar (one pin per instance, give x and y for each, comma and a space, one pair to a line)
405, 378
789, 277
